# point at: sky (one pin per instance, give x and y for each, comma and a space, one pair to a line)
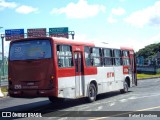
133, 23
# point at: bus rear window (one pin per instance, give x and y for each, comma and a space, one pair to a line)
32, 49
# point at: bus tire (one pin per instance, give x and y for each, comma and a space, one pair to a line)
55, 99
125, 87
92, 93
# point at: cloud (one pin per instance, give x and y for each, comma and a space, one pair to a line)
23, 9
155, 20
4, 4
112, 20
114, 13
79, 10
118, 11
80, 36
147, 16
154, 39
26, 9
128, 42
136, 44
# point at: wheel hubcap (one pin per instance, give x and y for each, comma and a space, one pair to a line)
92, 92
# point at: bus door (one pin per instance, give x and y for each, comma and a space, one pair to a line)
133, 68
78, 74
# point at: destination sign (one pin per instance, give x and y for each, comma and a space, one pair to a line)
58, 32
14, 34
38, 32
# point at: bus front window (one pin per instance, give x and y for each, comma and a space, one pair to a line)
32, 49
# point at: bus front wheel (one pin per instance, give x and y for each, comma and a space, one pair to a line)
92, 93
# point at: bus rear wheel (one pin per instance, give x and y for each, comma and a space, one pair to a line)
92, 93
55, 99
125, 88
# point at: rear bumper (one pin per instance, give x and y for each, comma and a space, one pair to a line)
32, 93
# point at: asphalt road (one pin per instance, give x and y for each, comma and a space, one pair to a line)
132, 105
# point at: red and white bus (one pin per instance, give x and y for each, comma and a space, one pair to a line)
59, 68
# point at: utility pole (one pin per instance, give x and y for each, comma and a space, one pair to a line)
72, 33
2, 36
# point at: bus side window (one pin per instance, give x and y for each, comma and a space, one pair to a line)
125, 59
107, 54
96, 56
87, 56
64, 54
117, 57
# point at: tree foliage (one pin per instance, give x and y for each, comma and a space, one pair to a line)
149, 51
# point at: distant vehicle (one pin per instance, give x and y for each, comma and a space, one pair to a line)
59, 68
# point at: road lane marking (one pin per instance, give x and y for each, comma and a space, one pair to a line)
132, 98
154, 95
98, 103
100, 107
116, 115
136, 97
108, 102
83, 108
149, 108
112, 104
123, 100
64, 118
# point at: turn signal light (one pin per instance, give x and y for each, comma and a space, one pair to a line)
52, 77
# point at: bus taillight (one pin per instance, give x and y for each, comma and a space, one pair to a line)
52, 77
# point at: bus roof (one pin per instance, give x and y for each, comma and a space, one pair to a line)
80, 42
91, 43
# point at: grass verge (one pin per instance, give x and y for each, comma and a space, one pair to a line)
4, 89
142, 76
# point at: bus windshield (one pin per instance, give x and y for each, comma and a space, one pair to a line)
30, 50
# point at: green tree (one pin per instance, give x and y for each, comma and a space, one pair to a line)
149, 51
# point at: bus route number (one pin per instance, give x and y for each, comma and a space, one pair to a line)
110, 74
